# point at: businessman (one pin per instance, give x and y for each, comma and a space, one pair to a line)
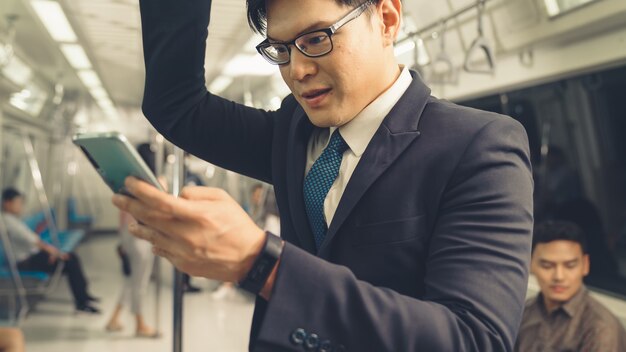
405, 220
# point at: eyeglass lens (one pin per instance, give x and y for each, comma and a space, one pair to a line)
310, 44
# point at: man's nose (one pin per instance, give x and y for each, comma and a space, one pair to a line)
301, 66
559, 273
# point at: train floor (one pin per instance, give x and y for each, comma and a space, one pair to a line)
210, 323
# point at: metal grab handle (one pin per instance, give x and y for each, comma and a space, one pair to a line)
35, 172
448, 75
480, 43
41, 191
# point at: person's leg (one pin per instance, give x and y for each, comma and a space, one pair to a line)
77, 281
37, 262
114, 322
11, 339
142, 262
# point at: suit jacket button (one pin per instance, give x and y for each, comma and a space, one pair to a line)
311, 342
325, 346
298, 336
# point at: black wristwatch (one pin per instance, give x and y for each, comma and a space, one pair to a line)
263, 265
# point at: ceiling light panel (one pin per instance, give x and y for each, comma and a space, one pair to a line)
89, 78
53, 18
75, 54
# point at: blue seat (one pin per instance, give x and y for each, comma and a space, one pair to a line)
68, 240
73, 217
36, 275
5, 273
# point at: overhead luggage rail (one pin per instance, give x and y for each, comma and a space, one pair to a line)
479, 44
431, 27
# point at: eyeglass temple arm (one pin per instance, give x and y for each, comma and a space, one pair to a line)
352, 15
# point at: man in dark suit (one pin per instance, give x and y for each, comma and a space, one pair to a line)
405, 220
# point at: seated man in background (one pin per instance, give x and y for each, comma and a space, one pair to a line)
563, 316
33, 254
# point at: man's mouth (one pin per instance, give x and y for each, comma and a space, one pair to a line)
559, 289
316, 97
312, 94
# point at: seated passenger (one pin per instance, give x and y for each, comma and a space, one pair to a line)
563, 316
33, 254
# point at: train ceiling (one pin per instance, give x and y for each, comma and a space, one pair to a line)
109, 30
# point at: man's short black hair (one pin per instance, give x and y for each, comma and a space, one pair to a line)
549, 231
10, 193
257, 13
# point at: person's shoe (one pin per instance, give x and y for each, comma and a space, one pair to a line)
114, 327
94, 299
86, 308
147, 333
222, 292
191, 289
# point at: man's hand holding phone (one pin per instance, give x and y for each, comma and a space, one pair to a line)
204, 232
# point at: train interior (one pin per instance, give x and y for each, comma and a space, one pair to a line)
70, 66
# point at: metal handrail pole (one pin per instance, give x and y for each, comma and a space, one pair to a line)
177, 184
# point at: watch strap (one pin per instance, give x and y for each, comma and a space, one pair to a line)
263, 265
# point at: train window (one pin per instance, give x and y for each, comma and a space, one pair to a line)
576, 134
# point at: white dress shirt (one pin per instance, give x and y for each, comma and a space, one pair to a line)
357, 133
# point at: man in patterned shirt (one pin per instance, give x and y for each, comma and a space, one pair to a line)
563, 316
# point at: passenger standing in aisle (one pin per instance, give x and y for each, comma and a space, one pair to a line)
405, 220
141, 262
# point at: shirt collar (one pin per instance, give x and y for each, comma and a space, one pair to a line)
570, 307
575, 304
359, 132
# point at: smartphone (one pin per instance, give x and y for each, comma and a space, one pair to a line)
114, 158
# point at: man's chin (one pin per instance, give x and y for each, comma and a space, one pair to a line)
560, 298
320, 118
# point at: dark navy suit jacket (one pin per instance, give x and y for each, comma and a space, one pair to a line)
429, 247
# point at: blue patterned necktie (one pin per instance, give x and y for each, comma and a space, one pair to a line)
318, 181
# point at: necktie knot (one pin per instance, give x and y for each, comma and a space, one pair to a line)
337, 143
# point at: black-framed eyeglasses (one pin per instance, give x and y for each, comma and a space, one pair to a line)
312, 44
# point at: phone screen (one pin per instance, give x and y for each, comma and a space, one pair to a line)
114, 158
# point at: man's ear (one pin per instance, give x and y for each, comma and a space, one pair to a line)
390, 13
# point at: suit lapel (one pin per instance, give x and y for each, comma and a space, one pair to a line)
299, 134
396, 133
